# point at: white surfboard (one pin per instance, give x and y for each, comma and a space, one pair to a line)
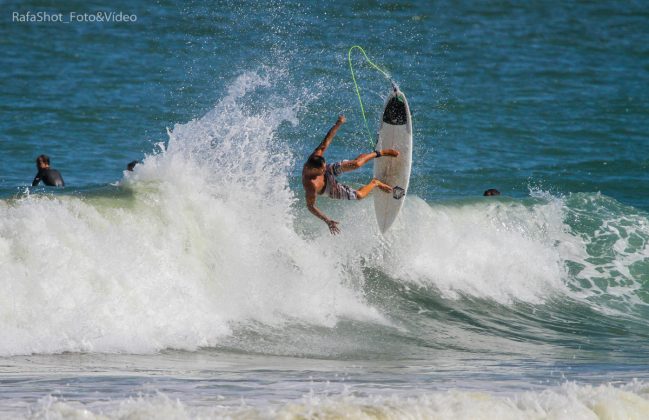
395, 132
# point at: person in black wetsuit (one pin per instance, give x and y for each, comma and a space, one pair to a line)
49, 176
131, 165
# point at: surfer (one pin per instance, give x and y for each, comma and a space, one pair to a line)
318, 177
49, 176
491, 192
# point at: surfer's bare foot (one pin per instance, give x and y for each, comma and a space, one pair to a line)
383, 187
390, 152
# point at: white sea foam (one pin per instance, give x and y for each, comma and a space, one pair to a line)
503, 251
569, 401
509, 251
205, 242
614, 257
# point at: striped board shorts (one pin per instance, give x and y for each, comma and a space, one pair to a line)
333, 188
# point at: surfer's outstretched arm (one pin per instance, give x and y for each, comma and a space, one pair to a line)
362, 159
329, 137
310, 204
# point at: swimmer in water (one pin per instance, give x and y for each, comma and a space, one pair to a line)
49, 176
491, 192
319, 178
131, 165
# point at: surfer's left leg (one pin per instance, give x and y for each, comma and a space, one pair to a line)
362, 159
362, 192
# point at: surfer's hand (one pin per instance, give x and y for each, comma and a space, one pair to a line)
333, 227
342, 119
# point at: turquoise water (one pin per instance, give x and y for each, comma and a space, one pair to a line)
199, 286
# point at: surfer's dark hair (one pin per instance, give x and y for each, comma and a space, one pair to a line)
490, 192
131, 165
43, 158
315, 162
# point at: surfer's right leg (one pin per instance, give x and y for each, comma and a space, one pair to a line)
362, 192
362, 159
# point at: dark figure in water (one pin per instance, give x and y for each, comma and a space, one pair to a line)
49, 176
131, 165
490, 192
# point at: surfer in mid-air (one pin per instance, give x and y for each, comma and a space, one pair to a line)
319, 178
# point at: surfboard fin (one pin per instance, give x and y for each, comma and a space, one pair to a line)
398, 192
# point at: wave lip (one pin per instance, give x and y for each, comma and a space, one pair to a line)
503, 251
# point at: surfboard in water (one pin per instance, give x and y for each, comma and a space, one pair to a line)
395, 132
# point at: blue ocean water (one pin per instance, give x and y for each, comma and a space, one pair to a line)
199, 286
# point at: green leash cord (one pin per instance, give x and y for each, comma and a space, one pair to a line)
358, 92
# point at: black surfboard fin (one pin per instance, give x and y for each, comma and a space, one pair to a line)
398, 192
